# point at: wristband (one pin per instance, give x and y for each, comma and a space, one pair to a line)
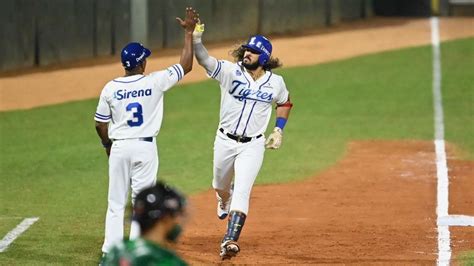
280, 122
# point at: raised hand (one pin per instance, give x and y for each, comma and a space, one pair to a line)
198, 31
190, 20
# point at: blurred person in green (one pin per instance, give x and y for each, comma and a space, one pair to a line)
160, 212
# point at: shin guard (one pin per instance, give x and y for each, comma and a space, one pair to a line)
234, 225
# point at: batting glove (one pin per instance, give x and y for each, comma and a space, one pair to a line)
274, 139
197, 33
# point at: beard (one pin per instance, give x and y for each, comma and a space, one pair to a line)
251, 66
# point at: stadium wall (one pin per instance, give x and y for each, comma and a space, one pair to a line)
47, 32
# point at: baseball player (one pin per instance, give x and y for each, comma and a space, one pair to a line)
248, 90
128, 119
160, 211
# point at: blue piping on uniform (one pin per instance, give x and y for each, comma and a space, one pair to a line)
248, 82
247, 98
266, 81
218, 69
128, 81
241, 113
177, 71
180, 70
102, 116
248, 119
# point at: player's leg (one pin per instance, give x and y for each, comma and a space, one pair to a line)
143, 174
223, 164
247, 165
118, 195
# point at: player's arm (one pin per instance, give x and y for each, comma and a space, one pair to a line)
282, 114
103, 132
204, 59
102, 118
188, 24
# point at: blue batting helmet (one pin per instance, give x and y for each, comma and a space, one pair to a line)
133, 54
260, 45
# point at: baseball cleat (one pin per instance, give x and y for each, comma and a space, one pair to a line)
222, 207
229, 249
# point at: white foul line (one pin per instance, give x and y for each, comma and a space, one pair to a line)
444, 238
443, 182
13, 234
444, 220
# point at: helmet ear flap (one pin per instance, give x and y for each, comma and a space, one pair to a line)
263, 59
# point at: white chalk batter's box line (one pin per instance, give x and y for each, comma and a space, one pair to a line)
17, 231
456, 220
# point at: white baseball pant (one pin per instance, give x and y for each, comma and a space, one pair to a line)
132, 163
242, 160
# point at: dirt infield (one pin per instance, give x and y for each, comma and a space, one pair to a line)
376, 206
358, 38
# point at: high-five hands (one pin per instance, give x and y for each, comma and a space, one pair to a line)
198, 31
190, 20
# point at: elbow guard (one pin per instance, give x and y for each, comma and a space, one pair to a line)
287, 104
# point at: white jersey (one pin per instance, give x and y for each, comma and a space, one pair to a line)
134, 105
246, 104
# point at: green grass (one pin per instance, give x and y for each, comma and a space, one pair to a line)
7, 224
458, 94
466, 258
52, 164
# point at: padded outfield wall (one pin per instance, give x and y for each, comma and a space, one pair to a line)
47, 32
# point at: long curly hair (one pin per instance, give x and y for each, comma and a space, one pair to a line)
238, 55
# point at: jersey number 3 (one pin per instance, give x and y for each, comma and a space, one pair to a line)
137, 114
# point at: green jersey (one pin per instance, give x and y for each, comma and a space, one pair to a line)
141, 252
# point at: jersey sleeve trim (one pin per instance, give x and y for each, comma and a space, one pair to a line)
102, 118
218, 69
179, 71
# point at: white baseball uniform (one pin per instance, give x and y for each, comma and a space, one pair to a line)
246, 107
133, 107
